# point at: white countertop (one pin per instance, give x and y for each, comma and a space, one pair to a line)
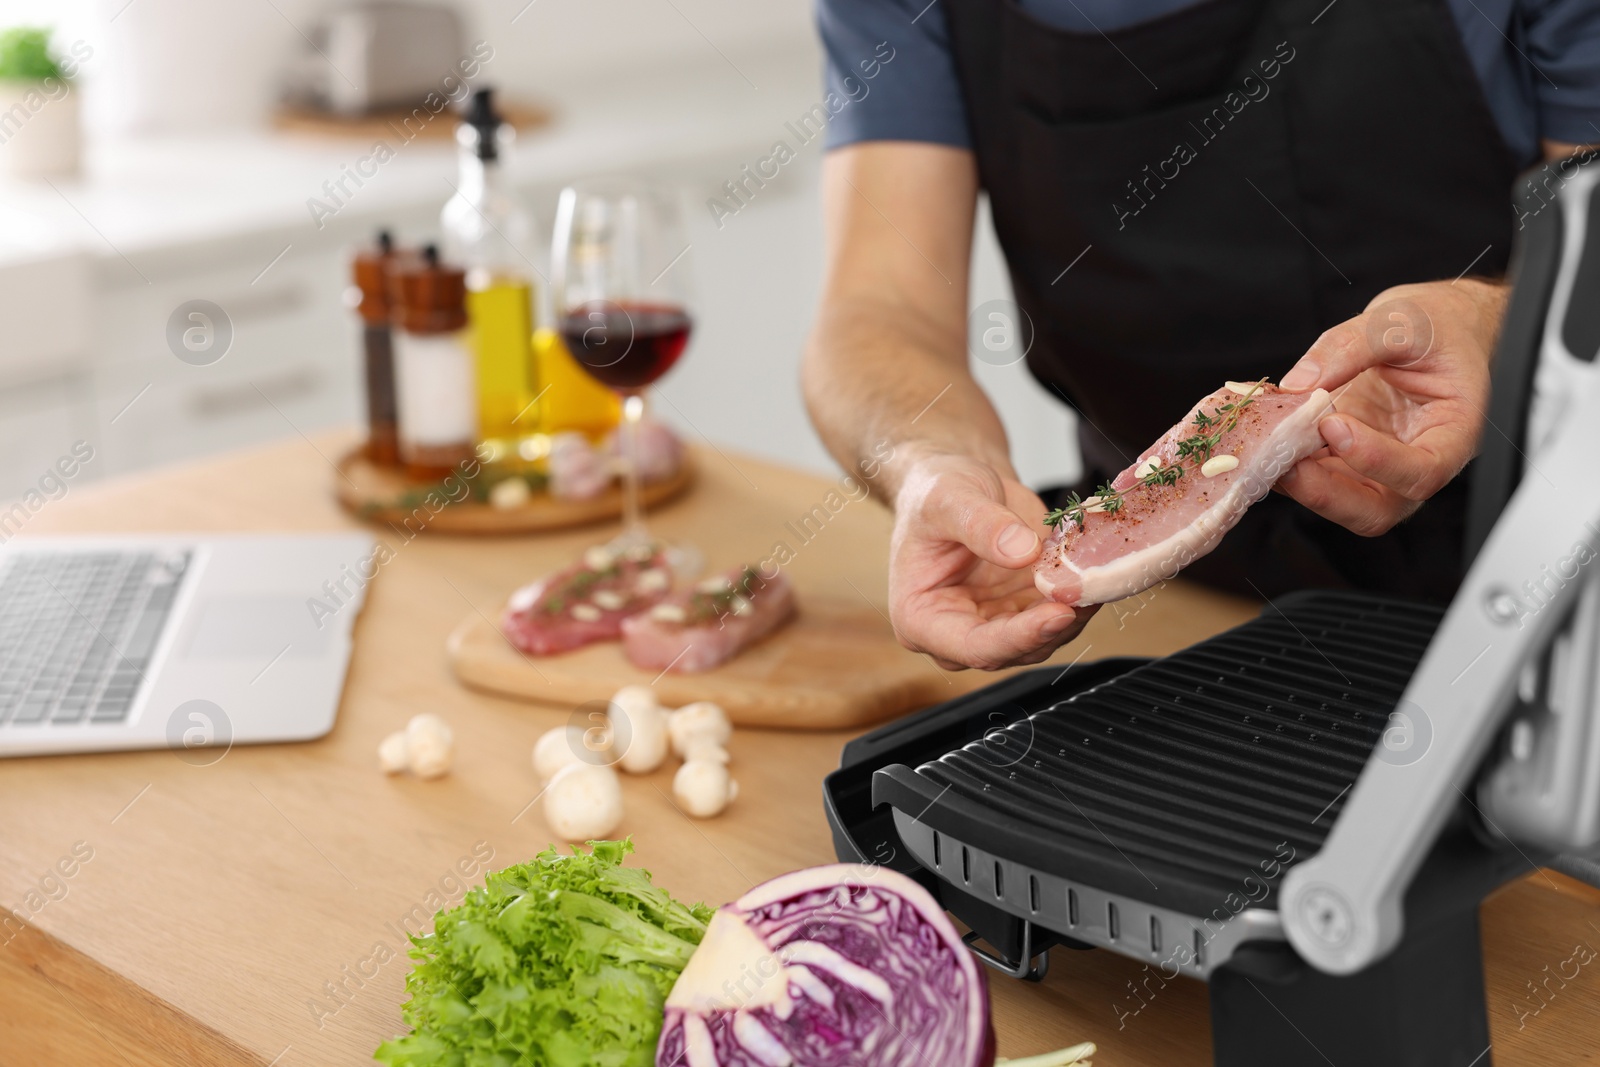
151, 198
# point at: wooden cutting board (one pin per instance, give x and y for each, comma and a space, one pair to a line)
385, 496
836, 666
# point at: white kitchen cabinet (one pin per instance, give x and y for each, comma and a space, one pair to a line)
39, 423
289, 367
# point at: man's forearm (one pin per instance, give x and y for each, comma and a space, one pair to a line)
878, 376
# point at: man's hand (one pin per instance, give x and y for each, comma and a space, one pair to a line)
1410, 379
961, 568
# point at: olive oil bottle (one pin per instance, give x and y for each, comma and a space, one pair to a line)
500, 321
489, 232
572, 400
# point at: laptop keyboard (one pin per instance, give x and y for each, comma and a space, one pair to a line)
77, 631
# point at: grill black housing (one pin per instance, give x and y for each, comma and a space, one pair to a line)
1160, 783
1172, 780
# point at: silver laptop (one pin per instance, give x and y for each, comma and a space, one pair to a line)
193, 643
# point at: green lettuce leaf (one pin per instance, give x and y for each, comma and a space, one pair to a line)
564, 961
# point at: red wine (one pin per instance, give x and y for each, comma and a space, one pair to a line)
626, 346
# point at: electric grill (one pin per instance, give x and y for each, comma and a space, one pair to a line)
1305, 811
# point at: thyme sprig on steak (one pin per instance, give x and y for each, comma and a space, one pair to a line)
1196, 448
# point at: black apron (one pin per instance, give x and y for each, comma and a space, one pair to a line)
1244, 174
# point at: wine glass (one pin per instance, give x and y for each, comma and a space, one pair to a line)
620, 304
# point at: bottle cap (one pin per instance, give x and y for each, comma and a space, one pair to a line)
480, 126
427, 296
370, 268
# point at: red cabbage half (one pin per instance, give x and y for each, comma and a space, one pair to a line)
828, 967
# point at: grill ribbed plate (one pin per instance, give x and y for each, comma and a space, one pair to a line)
1174, 781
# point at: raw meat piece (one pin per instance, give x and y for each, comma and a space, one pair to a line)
587, 601
1149, 532
699, 629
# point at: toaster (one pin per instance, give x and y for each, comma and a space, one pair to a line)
366, 57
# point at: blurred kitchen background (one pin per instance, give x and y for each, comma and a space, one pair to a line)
192, 184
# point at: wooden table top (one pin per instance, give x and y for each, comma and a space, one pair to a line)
250, 912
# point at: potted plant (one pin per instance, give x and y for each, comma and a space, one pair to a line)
38, 109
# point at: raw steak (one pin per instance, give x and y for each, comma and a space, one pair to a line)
699, 629
1150, 531
587, 601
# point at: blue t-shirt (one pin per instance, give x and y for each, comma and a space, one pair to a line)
1538, 60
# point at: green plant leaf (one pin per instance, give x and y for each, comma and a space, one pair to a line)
25, 55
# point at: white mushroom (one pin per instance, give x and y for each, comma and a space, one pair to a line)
509, 494
631, 698
393, 754
1218, 465
556, 749
703, 748
700, 721
703, 788
430, 745
639, 726
583, 802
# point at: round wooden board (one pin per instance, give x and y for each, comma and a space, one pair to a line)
836, 666
393, 123
369, 492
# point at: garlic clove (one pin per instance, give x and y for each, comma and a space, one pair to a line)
510, 494
585, 612
654, 580
668, 613
1148, 467
609, 599
1218, 465
599, 558
1242, 388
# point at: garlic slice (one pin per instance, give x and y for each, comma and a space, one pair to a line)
1219, 465
1242, 388
654, 580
